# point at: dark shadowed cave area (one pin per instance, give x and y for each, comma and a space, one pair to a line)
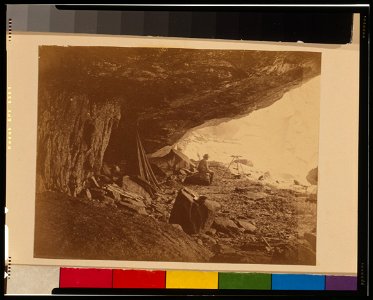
93, 99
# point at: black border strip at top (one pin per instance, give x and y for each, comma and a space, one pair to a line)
322, 24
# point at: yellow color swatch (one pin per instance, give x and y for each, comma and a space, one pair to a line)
191, 280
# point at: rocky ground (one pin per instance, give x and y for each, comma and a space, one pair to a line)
257, 222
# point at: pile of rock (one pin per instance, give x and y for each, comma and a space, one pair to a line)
129, 196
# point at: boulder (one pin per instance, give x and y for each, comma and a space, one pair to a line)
212, 205
198, 179
208, 210
312, 176
249, 227
117, 193
211, 231
193, 215
131, 186
225, 225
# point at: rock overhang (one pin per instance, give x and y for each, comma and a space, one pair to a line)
163, 92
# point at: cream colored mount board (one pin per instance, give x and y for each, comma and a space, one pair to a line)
337, 208
36, 280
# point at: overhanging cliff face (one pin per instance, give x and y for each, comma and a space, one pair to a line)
89, 97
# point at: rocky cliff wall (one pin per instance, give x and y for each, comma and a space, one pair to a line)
72, 139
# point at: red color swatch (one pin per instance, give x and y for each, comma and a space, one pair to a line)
86, 278
140, 279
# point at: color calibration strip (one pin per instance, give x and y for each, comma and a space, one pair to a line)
236, 24
143, 279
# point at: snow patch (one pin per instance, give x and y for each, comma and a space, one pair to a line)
282, 138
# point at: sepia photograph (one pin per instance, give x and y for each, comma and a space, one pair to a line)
177, 155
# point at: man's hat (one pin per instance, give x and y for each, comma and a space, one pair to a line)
206, 156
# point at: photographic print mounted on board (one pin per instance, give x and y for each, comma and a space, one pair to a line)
177, 155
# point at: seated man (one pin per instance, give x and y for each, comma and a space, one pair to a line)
203, 167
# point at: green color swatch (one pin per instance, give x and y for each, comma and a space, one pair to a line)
247, 281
